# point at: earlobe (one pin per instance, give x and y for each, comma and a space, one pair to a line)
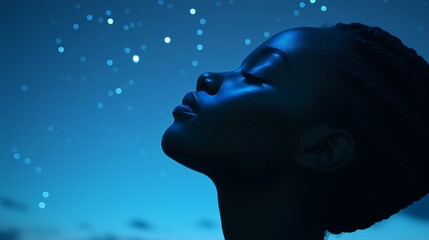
328, 154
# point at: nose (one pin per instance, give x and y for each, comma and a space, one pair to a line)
209, 82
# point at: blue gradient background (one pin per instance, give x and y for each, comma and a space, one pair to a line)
104, 169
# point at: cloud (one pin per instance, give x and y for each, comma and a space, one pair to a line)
13, 205
140, 224
9, 235
206, 224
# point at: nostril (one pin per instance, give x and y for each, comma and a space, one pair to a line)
209, 83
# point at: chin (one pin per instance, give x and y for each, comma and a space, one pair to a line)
178, 147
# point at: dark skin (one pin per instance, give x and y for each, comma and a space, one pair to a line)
265, 135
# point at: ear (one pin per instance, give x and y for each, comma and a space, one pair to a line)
325, 150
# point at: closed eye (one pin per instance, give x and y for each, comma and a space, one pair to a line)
253, 79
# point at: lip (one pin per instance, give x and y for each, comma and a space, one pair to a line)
190, 99
189, 108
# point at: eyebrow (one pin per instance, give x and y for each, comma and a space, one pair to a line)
271, 50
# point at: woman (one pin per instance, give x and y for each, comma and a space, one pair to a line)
319, 129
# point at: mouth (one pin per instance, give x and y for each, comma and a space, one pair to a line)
189, 107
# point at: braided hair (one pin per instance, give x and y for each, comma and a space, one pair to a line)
397, 173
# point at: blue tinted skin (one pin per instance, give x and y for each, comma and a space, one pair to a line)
263, 134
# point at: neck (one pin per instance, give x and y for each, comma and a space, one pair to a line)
265, 211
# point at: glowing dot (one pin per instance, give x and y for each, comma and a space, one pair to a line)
160, 2
312, 1
83, 59
89, 17
296, 12
17, 156
420, 28
194, 63
50, 128
24, 88
61, 49
118, 90
100, 20
127, 50
142, 152
38, 170
58, 40
100, 105
203, 21
247, 41
132, 25
75, 26
108, 12
200, 32
200, 47
27, 160
45, 194
192, 11
143, 47
218, 3
130, 108
130, 82
136, 58
110, 21
42, 205
323, 8
167, 39
126, 27
109, 62
302, 4
266, 34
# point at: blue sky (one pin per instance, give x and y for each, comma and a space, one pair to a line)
86, 92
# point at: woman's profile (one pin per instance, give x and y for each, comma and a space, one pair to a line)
319, 129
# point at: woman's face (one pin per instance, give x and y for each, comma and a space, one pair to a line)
248, 120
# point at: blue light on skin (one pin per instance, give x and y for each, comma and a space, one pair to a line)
75, 26
61, 49
83, 59
109, 62
192, 11
118, 90
126, 27
200, 47
143, 47
130, 82
167, 39
17, 156
108, 12
38, 170
323, 8
200, 32
302, 4
24, 88
42, 205
312, 1
110, 21
247, 41
296, 12
89, 17
195, 63
203, 21
27, 160
266, 34
100, 105
58, 40
127, 50
50, 128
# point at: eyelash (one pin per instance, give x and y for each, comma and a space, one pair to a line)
253, 79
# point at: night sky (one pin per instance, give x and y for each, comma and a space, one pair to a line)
87, 89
